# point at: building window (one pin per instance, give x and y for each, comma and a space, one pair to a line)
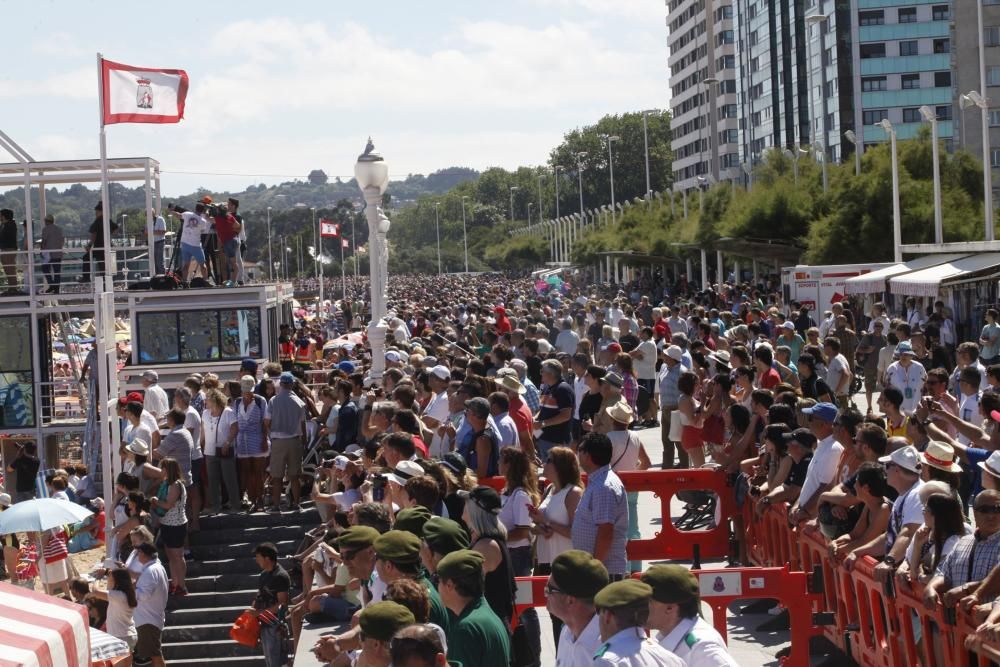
909, 48
909, 81
17, 379
755, 119
942, 46
728, 137
728, 111
994, 118
995, 157
726, 62
723, 13
725, 37
727, 87
941, 13
871, 18
908, 15
943, 112
876, 50
991, 35
911, 115
754, 64
874, 116
753, 38
870, 84
942, 79
993, 76
199, 335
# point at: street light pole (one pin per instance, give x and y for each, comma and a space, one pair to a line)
437, 229
579, 173
705, 85
897, 234
540, 207
853, 138
465, 235
931, 118
372, 174
610, 138
984, 107
270, 259
531, 205
816, 19
555, 170
512, 188
645, 141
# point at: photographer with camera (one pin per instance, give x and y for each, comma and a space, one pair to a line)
227, 228
193, 226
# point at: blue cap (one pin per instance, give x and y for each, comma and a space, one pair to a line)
287, 378
347, 366
823, 411
249, 365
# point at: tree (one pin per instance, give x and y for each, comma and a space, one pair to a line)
317, 177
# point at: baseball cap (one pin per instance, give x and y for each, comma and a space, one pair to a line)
826, 412
151, 375
287, 378
485, 497
441, 372
347, 366
905, 457
787, 324
131, 397
675, 352
248, 365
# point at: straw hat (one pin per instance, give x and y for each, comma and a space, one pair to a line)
620, 412
940, 455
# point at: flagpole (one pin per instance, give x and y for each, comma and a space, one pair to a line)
107, 384
354, 249
320, 272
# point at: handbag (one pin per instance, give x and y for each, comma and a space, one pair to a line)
161, 494
675, 426
245, 630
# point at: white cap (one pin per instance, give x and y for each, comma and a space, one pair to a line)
441, 372
393, 356
403, 471
675, 352
787, 324
4, 500
341, 462
907, 458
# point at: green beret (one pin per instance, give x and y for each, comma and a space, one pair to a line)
622, 594
578, 574
672, 584
461, 563
383, 619
398, 546
445, 535
412, 520
357, 537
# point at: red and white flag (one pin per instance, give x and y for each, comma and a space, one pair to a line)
327, 228
344, 243
142, 94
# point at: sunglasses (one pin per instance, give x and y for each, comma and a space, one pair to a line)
988, 509
551, 590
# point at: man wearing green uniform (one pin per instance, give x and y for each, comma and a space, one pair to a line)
622, 611
397, 556
379, 622
441, 537
476, 636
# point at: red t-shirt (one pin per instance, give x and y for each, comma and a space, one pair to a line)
770, 379
225, 227
662, 329
418, 442
521, 415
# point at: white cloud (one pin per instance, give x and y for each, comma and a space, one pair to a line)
58, 44
75, 84
639, 9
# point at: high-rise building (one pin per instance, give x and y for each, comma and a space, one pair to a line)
904, 60
795, 77
703, 100
966, 116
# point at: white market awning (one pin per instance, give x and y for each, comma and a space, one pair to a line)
874, 282
928, 281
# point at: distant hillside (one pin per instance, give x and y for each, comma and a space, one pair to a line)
74, 207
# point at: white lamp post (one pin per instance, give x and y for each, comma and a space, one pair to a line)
610, 138
702, 181
531, 205
983, 105
465, 235
555, 171
541, 206
931, 118
270, 259
579, 173
437, 230
645, 141
853, 138
748, 170
816, 19
964, 102
897, 234
706, 85
512, 188
372, 174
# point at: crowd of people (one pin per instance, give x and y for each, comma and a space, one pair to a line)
498, 377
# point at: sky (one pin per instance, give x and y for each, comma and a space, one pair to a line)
278, 89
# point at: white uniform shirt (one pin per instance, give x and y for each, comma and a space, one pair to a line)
698, 644
632, 648
579, 652
909, 380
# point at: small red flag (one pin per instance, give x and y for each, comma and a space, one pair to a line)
327, 228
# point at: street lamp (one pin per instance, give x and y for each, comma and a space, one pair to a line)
372, 174
931, 118
704, 84
437, 229
983, 105
702, 181
579, 173
555, 171
964, 102
816, 19
610, 138
645, 141
897, 234
465, 234
270, 259
748, 170
853, 138
541, 171
531, 204
512, 188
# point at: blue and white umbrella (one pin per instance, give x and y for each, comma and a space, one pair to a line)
34, 516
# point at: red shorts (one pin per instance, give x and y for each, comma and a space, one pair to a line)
691, 438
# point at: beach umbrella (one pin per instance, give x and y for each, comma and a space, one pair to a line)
34, 516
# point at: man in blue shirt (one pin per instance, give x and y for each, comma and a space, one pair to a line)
600, 524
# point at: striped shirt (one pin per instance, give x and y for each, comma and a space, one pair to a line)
971, 559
